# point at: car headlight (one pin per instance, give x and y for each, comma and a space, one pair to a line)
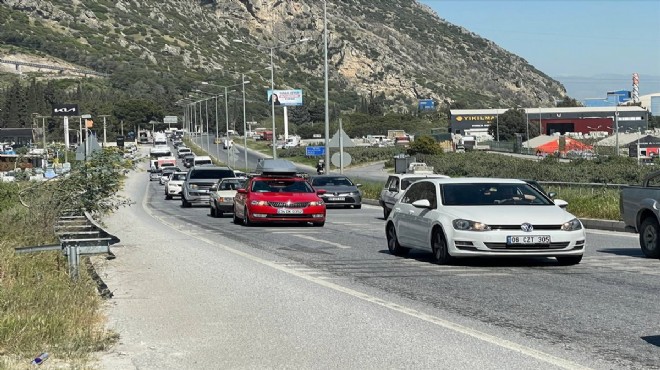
468, 225
355, 193
572, 225
193, 186
316, 203
259, 203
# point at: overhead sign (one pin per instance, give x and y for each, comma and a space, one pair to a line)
314, 151
170, 119
64, 110
285, 97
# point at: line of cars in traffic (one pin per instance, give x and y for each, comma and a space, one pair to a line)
450, 217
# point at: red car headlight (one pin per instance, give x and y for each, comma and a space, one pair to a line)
316, 203
259, 203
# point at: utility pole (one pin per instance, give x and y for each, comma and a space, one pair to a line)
105, 143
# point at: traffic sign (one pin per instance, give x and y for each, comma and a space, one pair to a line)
346, 141
170, 119
314, 151
346, 159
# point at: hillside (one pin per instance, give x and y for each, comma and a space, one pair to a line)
397, 50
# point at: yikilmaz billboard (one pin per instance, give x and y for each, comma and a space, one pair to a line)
285, 97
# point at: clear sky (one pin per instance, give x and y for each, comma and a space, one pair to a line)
567, 38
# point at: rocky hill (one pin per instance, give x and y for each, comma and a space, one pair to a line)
397, 49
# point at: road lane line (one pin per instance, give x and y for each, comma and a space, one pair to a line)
322, 241
488, 338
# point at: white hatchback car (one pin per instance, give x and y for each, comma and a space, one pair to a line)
174, 185
483, 217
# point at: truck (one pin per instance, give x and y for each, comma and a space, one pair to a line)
267, 135
640, 210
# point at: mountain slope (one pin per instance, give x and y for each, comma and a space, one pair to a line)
397, 49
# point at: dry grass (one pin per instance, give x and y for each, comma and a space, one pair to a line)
41, 309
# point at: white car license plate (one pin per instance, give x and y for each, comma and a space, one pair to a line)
287, 211
520, 239
337, 199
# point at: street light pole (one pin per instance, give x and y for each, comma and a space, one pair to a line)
327, 113
217, 129
272, 80
272, 101
497, 114
527, 129
244, 124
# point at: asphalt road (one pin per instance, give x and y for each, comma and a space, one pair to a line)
192, 291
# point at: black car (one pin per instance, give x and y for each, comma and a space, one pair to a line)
340, 190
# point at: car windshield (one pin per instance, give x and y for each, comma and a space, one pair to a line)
331, 181
231, 184
211, 174
489, 194
282, 186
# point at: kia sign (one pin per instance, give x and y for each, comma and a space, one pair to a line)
65, 110
285, 97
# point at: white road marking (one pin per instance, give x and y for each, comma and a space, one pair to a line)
488, 338
322, 241
617, 233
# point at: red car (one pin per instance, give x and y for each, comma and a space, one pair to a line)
278, 199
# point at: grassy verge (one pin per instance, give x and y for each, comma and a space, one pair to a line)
41, 309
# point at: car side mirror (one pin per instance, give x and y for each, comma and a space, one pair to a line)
552, 195
241, 191
358, 185
422, 203
321, 191
561, 203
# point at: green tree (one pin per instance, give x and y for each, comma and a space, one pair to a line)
511, 122
424, 144
136, 111
299, 115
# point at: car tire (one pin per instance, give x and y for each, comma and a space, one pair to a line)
213, 212
246, 218
649, 237
237, 220
218, 213
184, 202
386, 213
357, 206
569, 260
393, 242
439, 247
318, 224
168, 197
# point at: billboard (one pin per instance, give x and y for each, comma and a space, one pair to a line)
285, 97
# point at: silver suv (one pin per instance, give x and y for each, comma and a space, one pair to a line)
396, 185
198, 182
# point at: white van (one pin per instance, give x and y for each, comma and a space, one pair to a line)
202, 160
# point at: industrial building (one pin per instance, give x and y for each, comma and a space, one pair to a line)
558, 120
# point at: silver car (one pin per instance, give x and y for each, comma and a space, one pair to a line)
340, 190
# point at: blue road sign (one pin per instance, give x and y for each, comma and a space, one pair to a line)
314, 151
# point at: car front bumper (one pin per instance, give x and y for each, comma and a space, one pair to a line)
494, 243
272, 214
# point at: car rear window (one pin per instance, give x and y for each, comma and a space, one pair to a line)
331, 181
211, 174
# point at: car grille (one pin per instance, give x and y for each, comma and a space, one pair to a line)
559, 245
517, 227
288, 205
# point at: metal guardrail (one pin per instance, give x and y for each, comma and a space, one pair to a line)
79, 235
583, 184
